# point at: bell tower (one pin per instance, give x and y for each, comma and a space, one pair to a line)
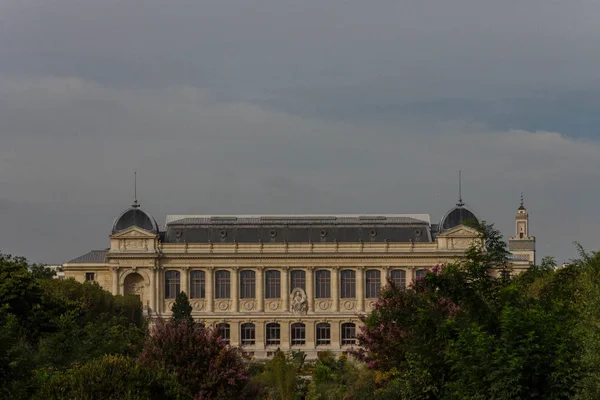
522, 245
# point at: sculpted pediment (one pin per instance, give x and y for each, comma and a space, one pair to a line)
460, 231
133, 232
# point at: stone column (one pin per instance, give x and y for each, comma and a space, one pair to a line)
335, 335
115, 280
259, 334
285, 291
210, 288
234, 289
310, 335
285, 335
153, 290
184, 280
335, 288
234, 333
360, 289
310, 289
410, 272
260, 297
384, 276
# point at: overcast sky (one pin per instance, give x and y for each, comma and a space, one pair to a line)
285, 106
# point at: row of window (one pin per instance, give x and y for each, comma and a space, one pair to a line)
272, 283
297, 333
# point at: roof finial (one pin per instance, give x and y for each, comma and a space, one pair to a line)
460, 200
135, 201
521, 207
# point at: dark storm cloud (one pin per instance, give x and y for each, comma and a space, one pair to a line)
283, 106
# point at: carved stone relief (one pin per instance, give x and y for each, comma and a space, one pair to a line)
247, 305
299, 303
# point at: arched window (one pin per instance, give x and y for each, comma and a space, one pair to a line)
172, 286
297, 280
420, 274
298, 334
348, 333
272, 284
322, 284
224, 332
247, 284
273, 334
398, 277
197, 285
222, 284
348, 284
323, 333
373, 283
248, 334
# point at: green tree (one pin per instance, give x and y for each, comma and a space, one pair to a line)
182, 309
281, 376
112, 378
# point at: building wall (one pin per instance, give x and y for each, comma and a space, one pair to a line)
137, 264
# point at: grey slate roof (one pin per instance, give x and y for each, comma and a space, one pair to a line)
93, 257
297, 228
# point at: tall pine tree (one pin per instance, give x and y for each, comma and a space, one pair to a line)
182, 310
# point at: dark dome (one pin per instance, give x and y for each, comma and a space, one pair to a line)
135, 217
457, 216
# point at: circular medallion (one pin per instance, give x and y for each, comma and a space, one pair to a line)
198, 305
223, 305
349, 305
372, 305
170, 305
248, 305
324, 305
274, 305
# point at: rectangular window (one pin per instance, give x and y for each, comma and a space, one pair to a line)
322, 284
373, 283
298, 334
89, 276
323, 334
222, 285
273, 334
197, 285
224, 332
248, 334
247, 284
172, 287
272, 284
348, 333
398, 277
348, 284
297, 280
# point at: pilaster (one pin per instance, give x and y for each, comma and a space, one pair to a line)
185, 280
360, 288
285, 291
234, 289
335, 288
310, 289
115, 281
260, 297
210, 288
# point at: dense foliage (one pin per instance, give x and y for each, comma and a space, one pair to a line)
460, 332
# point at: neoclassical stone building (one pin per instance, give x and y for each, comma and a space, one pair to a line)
279, 281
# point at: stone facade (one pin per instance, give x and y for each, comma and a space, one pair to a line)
287, 295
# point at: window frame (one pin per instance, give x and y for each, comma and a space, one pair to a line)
224, 332
87, 277
272, 284
297, 279
399, 282
322, 284
298, 334
248, 329
172, 283
372, 283
247, 284
222, 284
273, 334
197, 284
346, 328
323, 334
347, 284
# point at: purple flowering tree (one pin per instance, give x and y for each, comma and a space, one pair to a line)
201, 360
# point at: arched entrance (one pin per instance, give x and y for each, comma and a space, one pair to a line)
134, 284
